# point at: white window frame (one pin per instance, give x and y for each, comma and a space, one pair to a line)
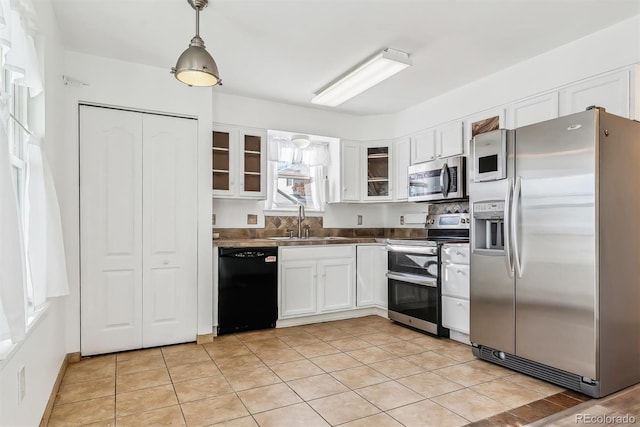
19, 109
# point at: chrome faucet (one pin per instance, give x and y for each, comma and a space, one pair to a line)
301, 216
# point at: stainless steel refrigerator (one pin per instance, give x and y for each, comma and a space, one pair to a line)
555, 238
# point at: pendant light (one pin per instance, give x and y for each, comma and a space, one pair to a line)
195, 67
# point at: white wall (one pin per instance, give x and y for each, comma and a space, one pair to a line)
43, 350
243, 111
608, 49
137, 87
41, 354
611, 48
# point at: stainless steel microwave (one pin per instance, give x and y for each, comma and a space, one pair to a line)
441, 179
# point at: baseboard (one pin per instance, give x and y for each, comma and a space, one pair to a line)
204, 338
328, 317
69, 358
459, 336
73, 357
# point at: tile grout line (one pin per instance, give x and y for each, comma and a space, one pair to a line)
173, 385
325, 336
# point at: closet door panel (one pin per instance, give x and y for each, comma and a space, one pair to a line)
110, 230
170, 230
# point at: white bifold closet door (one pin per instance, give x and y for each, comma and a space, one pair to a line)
138, 230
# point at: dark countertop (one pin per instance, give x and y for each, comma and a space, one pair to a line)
259, 242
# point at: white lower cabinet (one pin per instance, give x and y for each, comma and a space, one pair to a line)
298, 285
455, 314
371, 280
455, 290
316, 279
335, 284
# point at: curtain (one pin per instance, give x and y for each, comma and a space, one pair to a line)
316, 156
283, 150
43, 229
12, 260
41, 234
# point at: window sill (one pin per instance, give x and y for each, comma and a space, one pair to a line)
8, 349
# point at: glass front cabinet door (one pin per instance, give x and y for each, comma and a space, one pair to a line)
378, 170
239, 162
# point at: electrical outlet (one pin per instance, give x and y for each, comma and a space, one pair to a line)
401, 219
359, 219
252, 219
22, 385
213, 219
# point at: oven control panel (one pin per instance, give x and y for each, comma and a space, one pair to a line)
457, 220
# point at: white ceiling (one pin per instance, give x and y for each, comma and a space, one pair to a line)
286, 50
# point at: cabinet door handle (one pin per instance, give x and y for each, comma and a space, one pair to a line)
459, 304
459, 272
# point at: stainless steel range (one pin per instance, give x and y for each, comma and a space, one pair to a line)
414, 273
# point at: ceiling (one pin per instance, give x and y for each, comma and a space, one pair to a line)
286, 50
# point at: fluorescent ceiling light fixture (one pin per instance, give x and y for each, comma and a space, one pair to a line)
362, 77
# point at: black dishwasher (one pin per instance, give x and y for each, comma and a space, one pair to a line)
247, 289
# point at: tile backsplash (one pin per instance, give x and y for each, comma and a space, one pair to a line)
448, 207
275, 226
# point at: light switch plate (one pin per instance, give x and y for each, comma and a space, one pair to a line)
252, 219
359, 219
213, 219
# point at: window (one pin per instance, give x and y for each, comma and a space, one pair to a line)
296, 175
18, 139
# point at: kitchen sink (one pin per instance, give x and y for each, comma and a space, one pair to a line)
303, 239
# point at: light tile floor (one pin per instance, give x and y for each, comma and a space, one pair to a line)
357, 372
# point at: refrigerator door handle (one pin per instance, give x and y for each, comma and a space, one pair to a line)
444, 184
514, 226
507, 225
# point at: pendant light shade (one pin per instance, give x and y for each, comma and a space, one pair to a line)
196, 67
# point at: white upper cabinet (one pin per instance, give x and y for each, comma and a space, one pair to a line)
350, 172
378, 159
401, 161
450, 140
423, 146
239, 162
611, 91
443, 141
533, 110
484, 121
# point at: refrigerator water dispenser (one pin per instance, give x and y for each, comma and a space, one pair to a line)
488, 227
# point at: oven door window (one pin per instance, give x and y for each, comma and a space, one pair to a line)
417, 264
418, 301
424, 183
